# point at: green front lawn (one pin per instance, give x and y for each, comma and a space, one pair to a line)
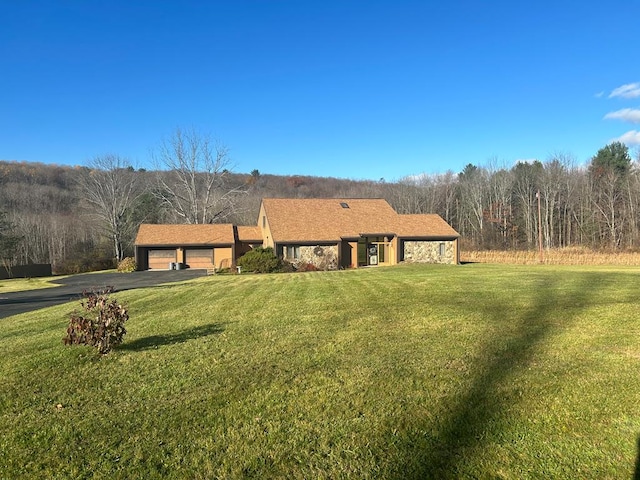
475, 371
23, 284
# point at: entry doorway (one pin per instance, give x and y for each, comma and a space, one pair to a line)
373, 251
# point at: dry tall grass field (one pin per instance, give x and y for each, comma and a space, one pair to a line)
560, 256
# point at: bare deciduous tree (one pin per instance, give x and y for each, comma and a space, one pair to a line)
194, 183
473, 184
492, 206
109, 187
8, 242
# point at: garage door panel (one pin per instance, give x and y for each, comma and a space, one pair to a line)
160, 259
198, 257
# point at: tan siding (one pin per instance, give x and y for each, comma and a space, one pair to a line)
223, 257
263, 224
393, 251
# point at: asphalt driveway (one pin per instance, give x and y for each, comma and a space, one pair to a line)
71, 288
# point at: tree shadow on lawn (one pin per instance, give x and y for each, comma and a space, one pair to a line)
481, 406
155, 341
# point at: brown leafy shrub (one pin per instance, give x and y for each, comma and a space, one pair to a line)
100, 324
306, 267
127, 265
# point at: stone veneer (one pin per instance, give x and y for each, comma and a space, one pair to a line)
323, 257
422, 251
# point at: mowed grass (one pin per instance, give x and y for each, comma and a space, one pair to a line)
473, 371
22, 284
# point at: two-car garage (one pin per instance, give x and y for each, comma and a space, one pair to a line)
189, 246
160, 259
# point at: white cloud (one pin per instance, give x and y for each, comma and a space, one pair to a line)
415, 178
599, 94
630, 90
631, 138
626, 115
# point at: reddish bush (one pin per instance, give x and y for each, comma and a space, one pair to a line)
306, 267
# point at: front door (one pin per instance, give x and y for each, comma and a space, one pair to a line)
373, 251
372, 254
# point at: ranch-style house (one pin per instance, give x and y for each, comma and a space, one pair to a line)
329, 233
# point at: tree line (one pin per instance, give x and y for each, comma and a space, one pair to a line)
86, 217
566, 204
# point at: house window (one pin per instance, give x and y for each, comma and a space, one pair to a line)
264, 221
292, 252
442, 249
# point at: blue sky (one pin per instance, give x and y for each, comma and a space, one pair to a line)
349, 89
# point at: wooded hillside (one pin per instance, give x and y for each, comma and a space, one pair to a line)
56, 218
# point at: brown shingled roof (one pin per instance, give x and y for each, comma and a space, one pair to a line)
249, 234
305, 220
425, 225
218, 234
326, 219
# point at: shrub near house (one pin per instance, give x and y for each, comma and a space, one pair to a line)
260, 260
127, 265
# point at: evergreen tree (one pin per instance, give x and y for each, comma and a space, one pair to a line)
612, 158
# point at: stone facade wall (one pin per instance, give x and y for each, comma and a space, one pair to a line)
323, 257
422, 251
